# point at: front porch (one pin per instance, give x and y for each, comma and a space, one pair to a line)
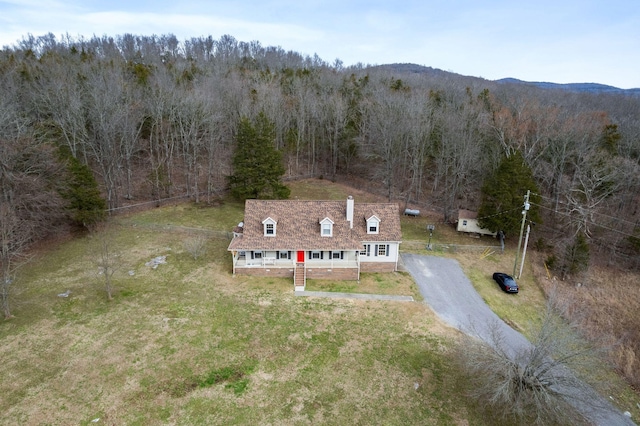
337, 269
266, 262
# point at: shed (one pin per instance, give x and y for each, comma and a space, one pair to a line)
468, 222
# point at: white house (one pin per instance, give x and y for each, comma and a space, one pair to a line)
316, 239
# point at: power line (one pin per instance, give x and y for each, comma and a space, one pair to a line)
586, 221
499, 213
598, 213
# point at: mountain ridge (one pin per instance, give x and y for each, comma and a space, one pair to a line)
572, 87
569, 87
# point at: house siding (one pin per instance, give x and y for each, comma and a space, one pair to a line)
392, 250
471, 226
468, 222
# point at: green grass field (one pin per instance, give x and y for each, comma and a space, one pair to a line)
187, 343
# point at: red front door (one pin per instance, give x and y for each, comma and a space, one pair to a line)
300, 256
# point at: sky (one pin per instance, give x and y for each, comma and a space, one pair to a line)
560, 41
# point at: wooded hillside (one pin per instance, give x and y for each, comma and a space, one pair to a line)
153, 117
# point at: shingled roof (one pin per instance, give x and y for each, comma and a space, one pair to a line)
298, 226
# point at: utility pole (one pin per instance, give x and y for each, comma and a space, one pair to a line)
524, 250
524, 219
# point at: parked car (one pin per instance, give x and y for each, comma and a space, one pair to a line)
506, 282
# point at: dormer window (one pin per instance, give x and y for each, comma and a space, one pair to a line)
269, 227
373, 225
326, 227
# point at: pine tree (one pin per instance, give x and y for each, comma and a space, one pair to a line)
257, 164
81, 192
576, 256
503, 196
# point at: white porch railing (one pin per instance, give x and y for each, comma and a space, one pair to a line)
289, 263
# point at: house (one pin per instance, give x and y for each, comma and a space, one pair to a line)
468, 222
316, 239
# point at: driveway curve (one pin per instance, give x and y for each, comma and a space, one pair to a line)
448, 291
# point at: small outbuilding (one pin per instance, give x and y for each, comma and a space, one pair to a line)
468, 222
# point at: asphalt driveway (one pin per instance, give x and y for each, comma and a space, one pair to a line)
448, 291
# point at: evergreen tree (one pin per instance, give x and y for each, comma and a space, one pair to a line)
503, 196
257, 164
81, 192
610, 138
576, 256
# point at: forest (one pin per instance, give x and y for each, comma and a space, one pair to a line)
109, 122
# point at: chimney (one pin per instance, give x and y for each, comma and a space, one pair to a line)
350, 211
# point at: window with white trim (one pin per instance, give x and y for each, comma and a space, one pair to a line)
326, 227
283, 255
257, 255
382, 249
373, 225
366, 250
316, 255
336, 255
269, 229
269, 225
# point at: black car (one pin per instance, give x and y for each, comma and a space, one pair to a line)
506, 282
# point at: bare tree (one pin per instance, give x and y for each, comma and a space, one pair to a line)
388, 136
596, 181
29, 204
193, 128
539, 383
115, 126
457, 154
161, 103
423, 122
196, 246
12, 245
107, 256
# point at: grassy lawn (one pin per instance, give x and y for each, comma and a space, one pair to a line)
522, 311
315, 189
188, 344
221, 218
395, 283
